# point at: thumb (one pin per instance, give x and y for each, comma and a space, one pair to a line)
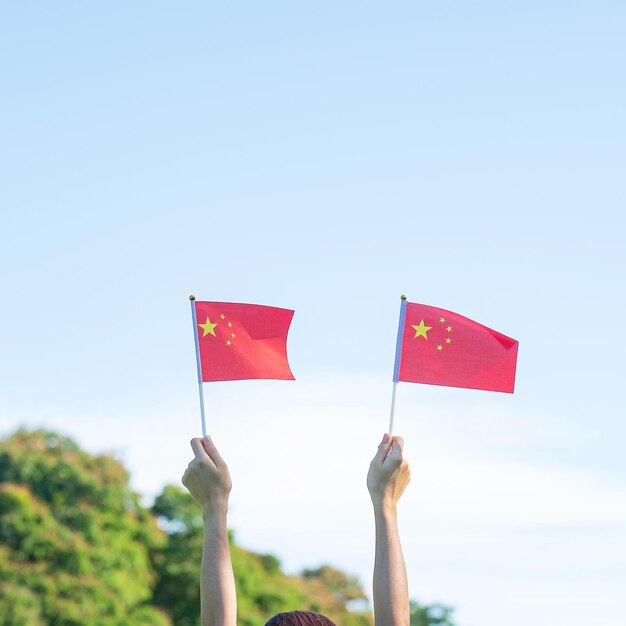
211, 450
398, 442
198, 450
397, 447
383, 449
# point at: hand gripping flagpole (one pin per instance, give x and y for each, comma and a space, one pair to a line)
198, 363
396, 367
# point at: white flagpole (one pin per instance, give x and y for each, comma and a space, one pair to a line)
393, 407
396, 368
198, 363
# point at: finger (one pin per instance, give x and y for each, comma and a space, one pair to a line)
198, 449
383, 449
211, 450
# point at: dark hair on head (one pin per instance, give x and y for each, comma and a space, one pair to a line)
299, 618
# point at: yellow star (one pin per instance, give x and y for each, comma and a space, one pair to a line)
230, 325
233, 335
448, 340
449, 329
442, 319
440, 347
228, 342
421, 330
207, 327
223, 316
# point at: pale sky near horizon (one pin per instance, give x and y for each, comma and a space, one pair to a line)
328, 158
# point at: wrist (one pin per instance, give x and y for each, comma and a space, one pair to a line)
215, 512
385, 506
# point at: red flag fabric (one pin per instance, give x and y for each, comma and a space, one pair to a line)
242, 341
439, 347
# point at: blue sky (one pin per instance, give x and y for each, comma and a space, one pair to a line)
328, 158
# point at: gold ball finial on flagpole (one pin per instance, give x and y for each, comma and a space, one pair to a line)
402, 297
192, 297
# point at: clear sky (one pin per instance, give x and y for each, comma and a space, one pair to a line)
328, 157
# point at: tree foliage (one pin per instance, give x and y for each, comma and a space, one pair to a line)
75, 542
434, 614
77, 548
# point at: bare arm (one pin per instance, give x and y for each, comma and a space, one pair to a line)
208, 481
387, 478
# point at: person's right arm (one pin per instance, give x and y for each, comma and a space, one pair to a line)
387, 478
208, 481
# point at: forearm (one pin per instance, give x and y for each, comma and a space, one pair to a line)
391, 592
217, 583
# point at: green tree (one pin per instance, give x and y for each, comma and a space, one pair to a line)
177, 561
431, 615
75, 543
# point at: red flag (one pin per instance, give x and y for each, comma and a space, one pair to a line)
439, 347
242, 341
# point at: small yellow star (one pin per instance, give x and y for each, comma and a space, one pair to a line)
223, 316
440, 347
449, 329
207, 327
230, 325
448, 340
442, 319
233, 335
421, 329
228, 342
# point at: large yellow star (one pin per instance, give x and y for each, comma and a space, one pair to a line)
207, 327
421, 330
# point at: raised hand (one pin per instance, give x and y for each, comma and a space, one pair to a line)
389, 473
207, 477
